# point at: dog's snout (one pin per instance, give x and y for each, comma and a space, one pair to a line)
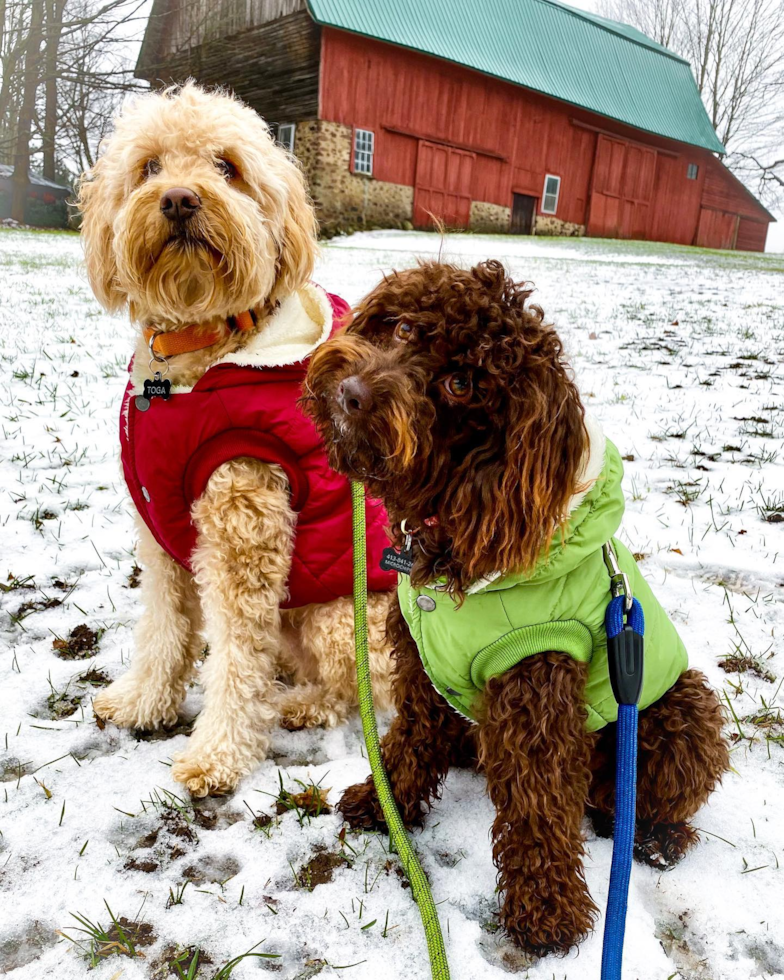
180, 203
354, 395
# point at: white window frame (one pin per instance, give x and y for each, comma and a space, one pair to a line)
545, 195
363, 152
692, 167
286, 135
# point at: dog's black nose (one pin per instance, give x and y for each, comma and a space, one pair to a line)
354, 395
180, 204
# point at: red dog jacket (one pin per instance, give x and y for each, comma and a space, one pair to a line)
246, 405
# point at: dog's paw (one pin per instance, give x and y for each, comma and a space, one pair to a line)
129, 706
360, 807
663, 845
537, 944
561, 920
205, 775
296, 715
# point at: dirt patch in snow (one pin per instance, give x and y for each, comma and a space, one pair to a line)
25, 946
216, 870
321, 868
175, 961
82, 642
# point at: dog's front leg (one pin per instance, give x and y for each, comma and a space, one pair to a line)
167, 640
424, 739
242, 561
535, 752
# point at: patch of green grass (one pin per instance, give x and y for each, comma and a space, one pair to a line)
310, 802
122, 938
771, 509
226, 971
686, 492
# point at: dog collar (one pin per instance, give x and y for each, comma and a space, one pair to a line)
170, 343
428, 522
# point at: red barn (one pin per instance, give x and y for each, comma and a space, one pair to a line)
522, 116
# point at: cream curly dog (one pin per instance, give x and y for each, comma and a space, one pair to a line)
198, 223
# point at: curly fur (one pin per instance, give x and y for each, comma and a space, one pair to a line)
535, 752
499, 467
251, 244
425, 738
681, 755
254, 236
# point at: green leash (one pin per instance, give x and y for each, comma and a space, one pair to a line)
397, 832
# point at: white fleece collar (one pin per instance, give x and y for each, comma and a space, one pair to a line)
297, 327
594, 461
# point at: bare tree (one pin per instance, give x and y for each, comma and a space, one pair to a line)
31, 77
65, 65
736, 49
54, 28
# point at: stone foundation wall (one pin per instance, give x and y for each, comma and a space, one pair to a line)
547, 224
488, 217
344, 200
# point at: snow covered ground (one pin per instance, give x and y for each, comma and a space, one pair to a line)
678, 352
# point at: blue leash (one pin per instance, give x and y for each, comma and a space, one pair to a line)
625, 626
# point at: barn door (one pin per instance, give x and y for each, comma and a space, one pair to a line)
638, 176
443, 186
717, 229
622, 189
523, 207
604, 219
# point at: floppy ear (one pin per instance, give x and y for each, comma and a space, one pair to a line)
298, 247
514, 506
546, 445
98, 238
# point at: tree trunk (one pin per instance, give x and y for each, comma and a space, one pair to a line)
29, 90
54, 26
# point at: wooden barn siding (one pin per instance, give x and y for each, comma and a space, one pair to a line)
192, 23
724, 192
274, 67
525, 135
752, 235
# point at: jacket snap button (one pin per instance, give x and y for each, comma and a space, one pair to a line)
146, 495
426, 603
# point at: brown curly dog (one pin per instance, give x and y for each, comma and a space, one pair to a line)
449, 397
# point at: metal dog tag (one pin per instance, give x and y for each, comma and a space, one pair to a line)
157, 388
393, 560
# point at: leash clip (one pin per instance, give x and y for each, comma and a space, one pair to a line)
619, 580
408, 535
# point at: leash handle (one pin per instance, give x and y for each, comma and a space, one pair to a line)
420, 887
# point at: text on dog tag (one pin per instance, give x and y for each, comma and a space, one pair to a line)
393, 560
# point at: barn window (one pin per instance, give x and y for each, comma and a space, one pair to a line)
286, 135
363, 151
552, 188
691, 171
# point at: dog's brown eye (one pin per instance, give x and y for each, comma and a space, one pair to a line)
151, 168
404, 331
458, 385
227, 168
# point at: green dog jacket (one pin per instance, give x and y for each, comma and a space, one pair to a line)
558, 606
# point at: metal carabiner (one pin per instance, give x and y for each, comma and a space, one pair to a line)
619, 580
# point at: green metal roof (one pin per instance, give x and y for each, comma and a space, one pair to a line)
610, 68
